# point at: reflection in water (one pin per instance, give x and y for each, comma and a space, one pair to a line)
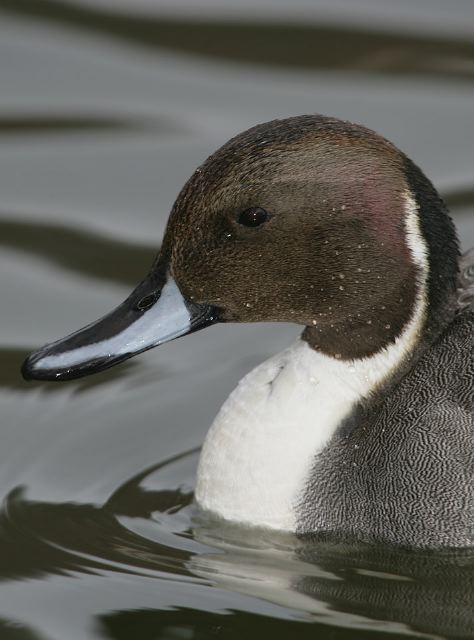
14, 125
146, 540
15, 631
83, 251
305, 46
202, 625
461, 197
347, 588
40, 539
350, 585
47, 124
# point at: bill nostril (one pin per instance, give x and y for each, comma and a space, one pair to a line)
148, 301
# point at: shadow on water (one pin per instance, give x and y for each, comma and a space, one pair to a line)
305, 46
429, 592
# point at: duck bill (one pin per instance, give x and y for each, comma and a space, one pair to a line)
156, 312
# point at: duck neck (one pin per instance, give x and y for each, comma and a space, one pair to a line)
412, 311
260, 451
371, 342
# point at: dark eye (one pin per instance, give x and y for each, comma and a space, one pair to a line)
253, 217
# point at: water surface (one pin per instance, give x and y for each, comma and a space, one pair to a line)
106, 108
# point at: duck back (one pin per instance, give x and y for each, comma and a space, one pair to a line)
402, 469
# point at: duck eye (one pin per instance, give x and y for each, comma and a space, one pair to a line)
253, 217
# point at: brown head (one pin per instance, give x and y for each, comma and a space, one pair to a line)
300, 220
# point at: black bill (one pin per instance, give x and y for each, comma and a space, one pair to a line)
156, 312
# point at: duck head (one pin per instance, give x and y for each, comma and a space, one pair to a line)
310, 220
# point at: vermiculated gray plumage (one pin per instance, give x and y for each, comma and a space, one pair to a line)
403, 470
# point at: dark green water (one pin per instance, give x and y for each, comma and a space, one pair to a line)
103, 116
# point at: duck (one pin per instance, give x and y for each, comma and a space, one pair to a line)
363, 428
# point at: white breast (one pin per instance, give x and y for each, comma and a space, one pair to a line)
258, 451
262, 444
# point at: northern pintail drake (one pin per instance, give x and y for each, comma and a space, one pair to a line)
363, 428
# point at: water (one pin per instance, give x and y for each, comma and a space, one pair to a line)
102, 119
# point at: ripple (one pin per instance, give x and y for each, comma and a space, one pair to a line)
47, 538
149, 528
306, 46
46, 124
85, 252
460, 197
